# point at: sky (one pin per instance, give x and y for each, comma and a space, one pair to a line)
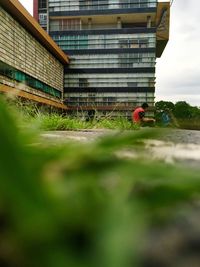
178, 70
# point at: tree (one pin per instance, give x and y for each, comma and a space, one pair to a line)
162, 105
182, 110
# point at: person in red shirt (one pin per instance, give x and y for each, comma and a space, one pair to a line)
139, 115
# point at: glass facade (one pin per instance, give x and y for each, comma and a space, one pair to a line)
112, 50
71, 42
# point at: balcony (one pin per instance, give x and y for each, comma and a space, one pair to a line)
125, 22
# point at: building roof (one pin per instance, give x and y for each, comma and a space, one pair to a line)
20, 14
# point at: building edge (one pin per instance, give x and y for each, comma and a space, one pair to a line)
16, 9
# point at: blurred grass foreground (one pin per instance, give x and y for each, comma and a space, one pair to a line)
80, 205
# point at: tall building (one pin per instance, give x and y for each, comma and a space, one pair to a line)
31, 63
113, 45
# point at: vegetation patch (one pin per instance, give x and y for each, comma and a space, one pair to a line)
81, 205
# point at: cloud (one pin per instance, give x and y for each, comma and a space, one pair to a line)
178, 70
28, 4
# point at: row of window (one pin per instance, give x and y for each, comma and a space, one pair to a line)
112, 65
19, 76
102, 99
84, 45
105, 41
97, 77
79, 103
71, 2
98, 96
57, 6
104, 44
123, 39
127, 60
93, 81
82, 83
104, 103
112, 76
109, 58
150, 37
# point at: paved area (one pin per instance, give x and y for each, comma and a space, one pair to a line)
174, 146
83, 136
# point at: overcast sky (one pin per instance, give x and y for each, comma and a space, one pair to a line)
178, 70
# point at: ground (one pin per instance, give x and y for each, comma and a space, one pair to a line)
175, 242
176, 145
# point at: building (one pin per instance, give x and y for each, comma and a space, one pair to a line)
113, 45
31, 63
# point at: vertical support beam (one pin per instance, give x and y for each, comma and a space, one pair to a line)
149, 22
35, 9
119, 23
47, 5
89, 23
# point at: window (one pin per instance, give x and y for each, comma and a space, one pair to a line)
83, 82
123, 43
143, 43
42, 18
129, 3
93, 4
134, 43
42, 4
71, 24
132, 84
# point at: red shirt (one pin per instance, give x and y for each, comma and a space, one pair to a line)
138, 114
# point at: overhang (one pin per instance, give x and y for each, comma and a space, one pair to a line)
162, 25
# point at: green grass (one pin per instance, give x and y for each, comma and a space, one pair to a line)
43, 120
55, 121
190, 124
81, 205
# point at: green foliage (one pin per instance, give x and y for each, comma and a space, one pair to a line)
82, 205
182, 114
182, 110
162, 105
